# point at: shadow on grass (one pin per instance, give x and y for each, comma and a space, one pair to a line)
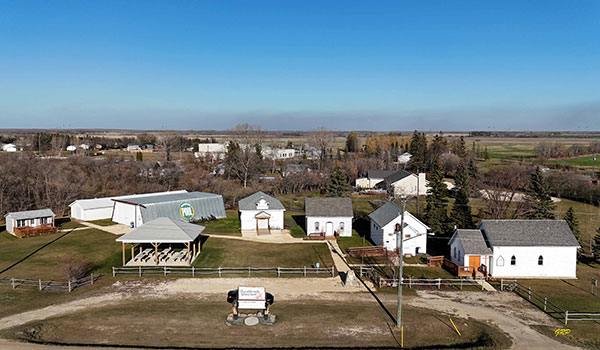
35, 251
300, 220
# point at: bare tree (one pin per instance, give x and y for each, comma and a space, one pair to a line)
502, 190
321, 138
243, 159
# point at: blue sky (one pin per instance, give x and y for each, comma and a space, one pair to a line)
428, 65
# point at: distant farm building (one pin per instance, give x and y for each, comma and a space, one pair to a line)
328, 216
30, 223
132, 147
9, 147
189, 206
385, 223
402, 182
261, 212
373, 178
216, 151
517, 248
102, 208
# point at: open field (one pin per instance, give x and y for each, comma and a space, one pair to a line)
584, 161
300, 323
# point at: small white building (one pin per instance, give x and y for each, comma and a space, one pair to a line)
132, 147
102, 208
71, 148
518, 249
260, 211
28, 220
215, 150
9, 147
405, 183
329, 216
404, 158
373, 178
385, 223
279, 153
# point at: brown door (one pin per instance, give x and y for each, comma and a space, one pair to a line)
474, 262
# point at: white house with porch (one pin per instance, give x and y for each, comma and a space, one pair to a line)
260, 211
330, 216
518, 248
385, 223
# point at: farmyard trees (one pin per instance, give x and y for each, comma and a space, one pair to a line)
337, 186
436, 215
539, 199
572, 221
461, 214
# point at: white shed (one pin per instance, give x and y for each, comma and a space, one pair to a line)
328, 216
386, 220
260, 211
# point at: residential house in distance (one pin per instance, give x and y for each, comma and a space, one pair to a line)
71, 148
385, 223
30, 223
328, 216
215, 150
295, 168
9, 147
404, 158
261, 212
279, 153
405, 183
517, 248
373, 178
132, 147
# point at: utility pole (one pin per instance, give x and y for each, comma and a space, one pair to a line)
400, 245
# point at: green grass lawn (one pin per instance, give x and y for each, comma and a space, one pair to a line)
92, 246
69, 225
104, 222
227, 226
584, 161
237, 253
355, 240
509, 150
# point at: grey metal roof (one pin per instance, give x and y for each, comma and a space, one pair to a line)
333, 206
472, 241
528, 233
396, 176
379, 174
165, 198
163, 230
249, 203
106, 202
385, 214
30, 214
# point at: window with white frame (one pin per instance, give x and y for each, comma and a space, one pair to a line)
540, 260
341, 227
513, 260
500, 261
317, 226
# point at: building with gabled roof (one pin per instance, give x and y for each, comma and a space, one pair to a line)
30, 222
385, 224
517, 248
261, 212
329, 216
404, 183
373, 178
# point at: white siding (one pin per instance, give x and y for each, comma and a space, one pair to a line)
335, 221
413, 245
126, 214
248, 220
557, 262
77, 212
408, 186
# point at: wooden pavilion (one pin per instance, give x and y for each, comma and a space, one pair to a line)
162, 241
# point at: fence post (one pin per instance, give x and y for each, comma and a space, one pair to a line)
193, 272
461, 280
482, 284
70, 286
219, 271
113, 271
545, 300
278, 272
439, 283
566, 316
248, 271
529, 293
40, 280
304, 271
140, 271
12, 281
165, 271
91, 278
409, 281
501, 284
332, 270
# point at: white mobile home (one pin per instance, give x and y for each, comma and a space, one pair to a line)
30, 222
260, 211
385, 223
328, 216
518, 248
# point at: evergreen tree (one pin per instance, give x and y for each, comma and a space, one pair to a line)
540, 203
572, 221
139, 156
337, 185
436, 215
418, 150
596, 247
486, 155
461, 214
352, 142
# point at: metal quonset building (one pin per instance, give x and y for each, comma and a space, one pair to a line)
102, 208
188, 206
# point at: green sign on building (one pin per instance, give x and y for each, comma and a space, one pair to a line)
186, 211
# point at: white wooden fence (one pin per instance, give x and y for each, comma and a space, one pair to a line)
49, 285
221, 271
546, 305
